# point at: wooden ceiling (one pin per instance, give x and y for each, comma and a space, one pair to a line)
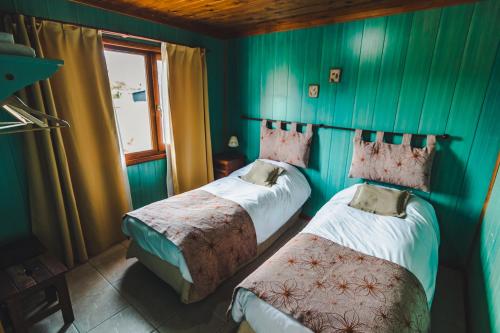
233, 18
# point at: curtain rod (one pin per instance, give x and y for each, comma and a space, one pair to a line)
121, 34
146, 39
440, 136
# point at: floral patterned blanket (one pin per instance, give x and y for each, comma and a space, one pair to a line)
215, 235
328, 287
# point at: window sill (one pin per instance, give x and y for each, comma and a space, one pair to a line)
142, 159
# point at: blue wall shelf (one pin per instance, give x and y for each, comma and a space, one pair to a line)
17, 72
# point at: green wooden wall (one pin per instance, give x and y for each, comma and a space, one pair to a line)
144, 187
483, 273
14, 219
422, 72
147, 182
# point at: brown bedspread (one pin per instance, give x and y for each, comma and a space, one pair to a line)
328, 287
215, 235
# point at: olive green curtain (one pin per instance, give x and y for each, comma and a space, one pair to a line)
78, 190
189, 121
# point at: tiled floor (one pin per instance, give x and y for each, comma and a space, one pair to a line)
113, 294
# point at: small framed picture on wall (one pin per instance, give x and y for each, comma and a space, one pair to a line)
313, 90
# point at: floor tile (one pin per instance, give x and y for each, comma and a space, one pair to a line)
149, 295
53, 324
192, 323
126, 321
113, 263
96, 306
84, 280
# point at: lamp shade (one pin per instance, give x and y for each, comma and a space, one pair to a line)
233, 142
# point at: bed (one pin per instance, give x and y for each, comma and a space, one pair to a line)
270, 210
386, 252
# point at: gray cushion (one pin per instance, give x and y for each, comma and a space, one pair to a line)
380, 200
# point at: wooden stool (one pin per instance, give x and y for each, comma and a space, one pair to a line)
30, 276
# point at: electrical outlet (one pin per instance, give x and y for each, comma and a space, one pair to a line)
335, 75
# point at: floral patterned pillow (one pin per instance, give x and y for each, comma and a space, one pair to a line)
395, 164
286, 146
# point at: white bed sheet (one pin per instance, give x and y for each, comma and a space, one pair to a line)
269, 208
411, 242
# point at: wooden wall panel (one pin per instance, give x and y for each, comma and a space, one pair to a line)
147, 182
479, 54
14, 220
368, 71
450, 44
426, 71
483, 270
313, 50
391, 71
329, 58
421, 42
482, 154
281, 61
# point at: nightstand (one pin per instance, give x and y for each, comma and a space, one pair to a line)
227, 162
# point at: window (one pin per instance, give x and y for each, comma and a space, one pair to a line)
134, 76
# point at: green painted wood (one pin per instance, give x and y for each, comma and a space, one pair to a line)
350, 51
296, 74
312, 65
422, 40
147, 182
483, 273
267, 77
281, 61
424, 71
351, 36
25, 71
391, 70
368, 72
330, 58
444, 70
14, 222
482, 43
482, 155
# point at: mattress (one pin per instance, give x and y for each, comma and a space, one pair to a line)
268, 207
411, 242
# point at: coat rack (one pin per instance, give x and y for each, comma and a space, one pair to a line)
17, 72
439, 136
26, 118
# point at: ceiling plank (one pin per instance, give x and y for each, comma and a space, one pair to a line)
232, 18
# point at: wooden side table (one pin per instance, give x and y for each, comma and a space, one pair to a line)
29, 276
225, 163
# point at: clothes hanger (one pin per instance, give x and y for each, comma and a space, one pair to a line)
28, 119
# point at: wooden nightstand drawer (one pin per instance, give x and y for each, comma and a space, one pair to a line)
226, 163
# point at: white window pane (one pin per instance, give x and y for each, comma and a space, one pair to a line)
127, 76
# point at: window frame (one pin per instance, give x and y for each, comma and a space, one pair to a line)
151, 54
